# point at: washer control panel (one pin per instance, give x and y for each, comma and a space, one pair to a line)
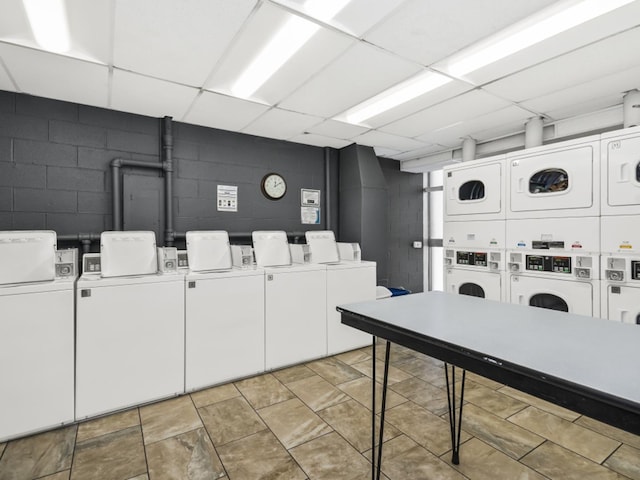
548, 263
471, 258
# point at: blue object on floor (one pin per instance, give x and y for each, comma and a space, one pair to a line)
396, 292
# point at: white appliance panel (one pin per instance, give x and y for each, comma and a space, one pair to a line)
224, 332
474, 234
478, 284
129, 341
128, 253
208, 250
295, 315
579, 235
475, 190
323, 246
621, 303
355, 282
620, 234
27, 256
621, 172
556, 180
582, 298
37, 355
271, 248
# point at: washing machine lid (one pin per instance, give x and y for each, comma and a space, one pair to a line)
128, 253
324, 248
27, 256
271, 248
208, 250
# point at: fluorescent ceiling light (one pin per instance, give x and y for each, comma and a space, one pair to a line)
405, 91
48, 19
547, 23
285, 43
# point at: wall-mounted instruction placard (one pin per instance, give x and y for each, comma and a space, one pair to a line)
310, 215
309, 197
310, 206
227, 198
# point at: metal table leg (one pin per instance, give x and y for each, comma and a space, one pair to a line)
376, 470
451, 400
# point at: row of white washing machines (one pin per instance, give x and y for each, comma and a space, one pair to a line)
143, 323
556, 226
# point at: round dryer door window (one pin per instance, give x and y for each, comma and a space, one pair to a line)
549, 180
549, 301
471, 289
472, 190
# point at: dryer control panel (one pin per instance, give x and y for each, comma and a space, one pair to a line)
490, 260
548, 263
635, 270
472, 258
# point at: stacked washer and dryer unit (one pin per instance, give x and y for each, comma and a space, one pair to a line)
474, 228
620, 225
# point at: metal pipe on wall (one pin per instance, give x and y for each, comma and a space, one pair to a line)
327, 189
167, 149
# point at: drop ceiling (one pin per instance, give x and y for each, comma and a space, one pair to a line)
180, 58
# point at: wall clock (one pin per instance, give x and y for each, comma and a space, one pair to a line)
273, 186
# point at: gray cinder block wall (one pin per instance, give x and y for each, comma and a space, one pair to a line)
54, 173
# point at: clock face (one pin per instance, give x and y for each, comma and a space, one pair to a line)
273, 186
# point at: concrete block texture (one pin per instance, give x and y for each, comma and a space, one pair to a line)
6, 199
75, 179
46, 108
44, 201
44, 153
23, 175
77, 134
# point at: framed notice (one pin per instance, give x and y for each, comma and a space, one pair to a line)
227, 198
309, 198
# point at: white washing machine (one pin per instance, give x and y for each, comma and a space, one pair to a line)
36, 333
129, 326
620, 172
224, 314
348, 281
295, 303
474, 258
475, 190
558, 180
554, 263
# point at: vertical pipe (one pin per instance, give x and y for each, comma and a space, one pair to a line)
468, 149
533, 132
116, 194
327, 189
167, 147
631, 108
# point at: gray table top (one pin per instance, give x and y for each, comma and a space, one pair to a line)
594, 353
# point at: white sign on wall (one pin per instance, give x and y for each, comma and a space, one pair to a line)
227, 198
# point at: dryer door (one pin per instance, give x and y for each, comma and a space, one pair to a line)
623, 304
476, 284
474, 191
561, 295
554, 183
622, 163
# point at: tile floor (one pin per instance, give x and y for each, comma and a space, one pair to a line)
312, 421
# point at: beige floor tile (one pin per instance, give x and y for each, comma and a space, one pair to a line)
114, 456
491, 400
144, 476
625, 460
424, 394
2, 445
331, 458
558, 463
353, 422
397, 354
507, 437
316, 392
609, 431
578, 439
293, 422
404, 459
360, 390
417, 365
169, 418
58, 476
355, 356
230, 420
38, 455
293, 374
214, 395
429, 430
334, 371
479, 461
484, 381
540, 404
259, 457
395, 374
189, 456
108, 424
263, 390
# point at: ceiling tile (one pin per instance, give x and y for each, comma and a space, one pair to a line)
323, 47
597, 29
320, 140
363, 71
66, 78
588, 96
420, 152
453, 111
356, 17
220, 111
282, 124
375, 138
148, 96
336, 129
178, 41
428, 30
594, 61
